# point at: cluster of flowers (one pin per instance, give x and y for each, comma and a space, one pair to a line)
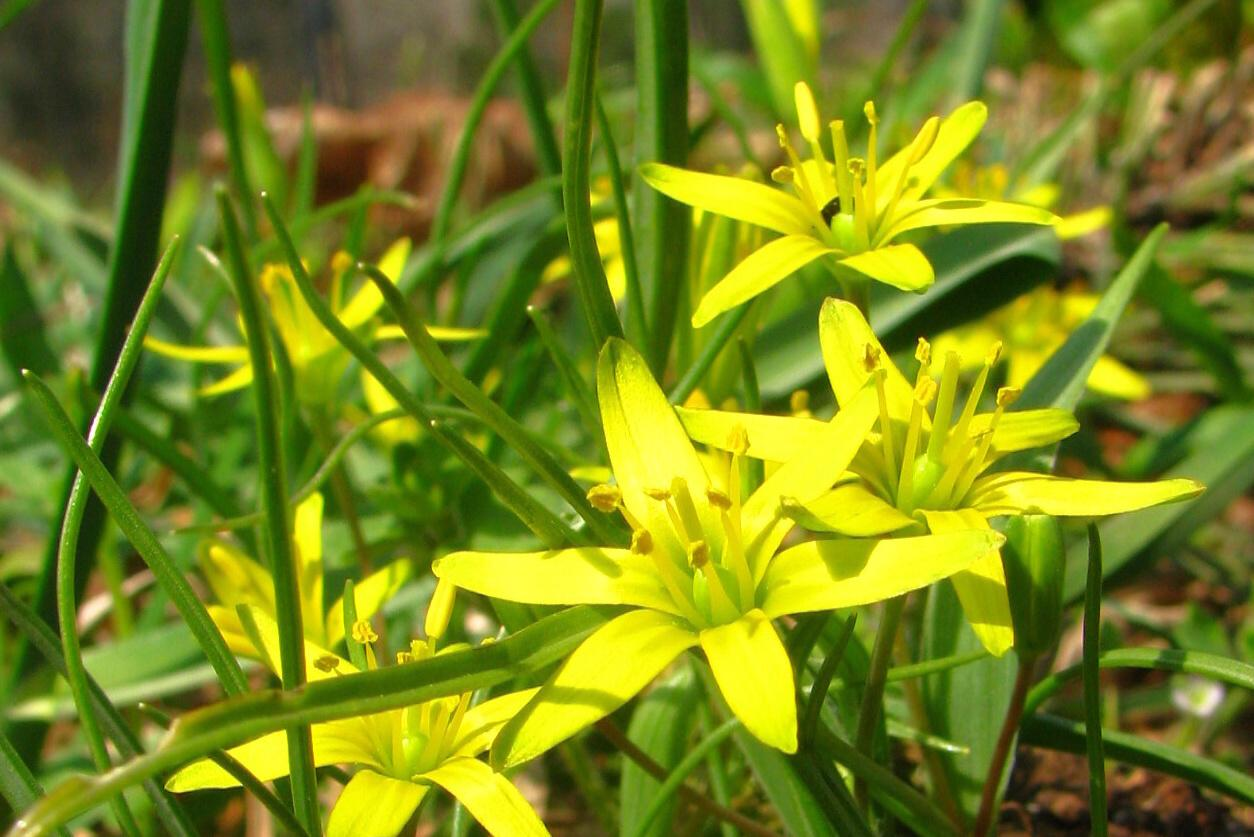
894, 493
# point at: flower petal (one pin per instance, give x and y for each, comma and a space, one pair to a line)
482, 723
263, 631
1112, 378
901, 265
942, 212
773, 438
369, 595
955, 133
761, 270
849, 510
238, 379
608, 669
368, 299
488, 796
845, 335
198, 354
337, 742
647, 445
446, 334
307, 538
1027, 429
824, 575
584, 575
235, 578
374, 804
753, 673
1016, 492
805, 477
981, 587
731, 197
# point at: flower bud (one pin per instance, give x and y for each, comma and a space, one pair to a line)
1035, 560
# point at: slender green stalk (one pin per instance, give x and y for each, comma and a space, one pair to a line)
545, 525
216, 38
1001, 751
626, 238
577, 389
676, 777
809, 726
276, 516
341, 488
723, 332
494, 416
873, 692
663, 226
542, 135
46, 644
716, 767
875, 88
17, 783
72, 520
168, 575
585, 260
1092, 687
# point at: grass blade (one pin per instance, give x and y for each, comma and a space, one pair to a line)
542, 135
676, 778
1092, 687
22, 338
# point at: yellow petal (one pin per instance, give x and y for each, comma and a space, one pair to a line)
238, 379
586, 575
264, 632
234, 578
337, 742
198, 354
488, 796
603, 673
369, 595
805, 477
901, 265
981, 587
1017, 492
761, 270
1027, 429
845, 336
824, 575
955, 211
647, 445
1080, 224
773, 438
446, 334
482, 723
952, 138
226, 620
1112, 378
731, 197
753, 673
849, 510
368, 299
374, 804
307, 538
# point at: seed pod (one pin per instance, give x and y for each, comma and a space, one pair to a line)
1035, 566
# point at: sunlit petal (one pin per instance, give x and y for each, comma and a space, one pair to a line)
753, 673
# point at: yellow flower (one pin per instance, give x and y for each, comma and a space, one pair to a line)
933, 466
402, 753
318, 360
237, 579
1030, 329
845, 214
702, 568
993, 182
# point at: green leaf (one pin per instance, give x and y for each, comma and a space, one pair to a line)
22, 337
659, 726
793, 801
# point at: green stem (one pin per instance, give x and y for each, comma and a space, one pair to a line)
1092, 687
542, 135
342, 489
586, 268
822, 682
727, 326
676, 778
873, 692
276, 516
626, 238
1001, 751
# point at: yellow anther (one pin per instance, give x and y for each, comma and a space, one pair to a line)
341, 261
698, 554
419, 650
782, 174
363, 632
856, 166
641, 541
327, 663
925, 391
869, 110
799, 402
717, 498
738, 440
659, 494
1007, 396
871, 357
923, 352
604, 497
403, 657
